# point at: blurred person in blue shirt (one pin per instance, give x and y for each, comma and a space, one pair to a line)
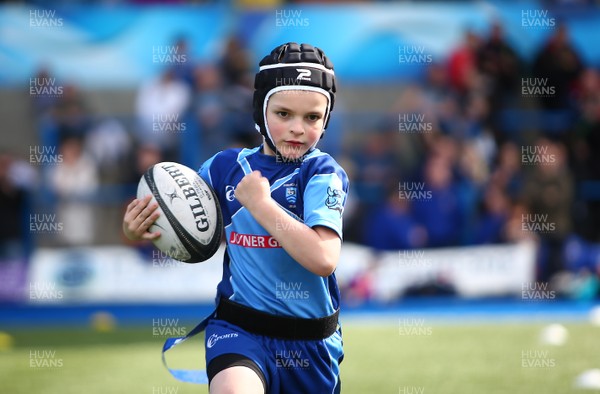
391, 226
439, 214
492, 220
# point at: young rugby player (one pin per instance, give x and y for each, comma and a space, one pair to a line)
275, 329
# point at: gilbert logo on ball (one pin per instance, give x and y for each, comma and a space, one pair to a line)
190, 220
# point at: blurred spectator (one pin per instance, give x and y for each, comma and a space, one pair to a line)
475, 126
560, 62
238, 81
375, 165
581, 279
585, 285
502, 68
442, 147
484, 141
210, 108
415, 116
581, 256
75, 181
12, 211
490, 227
548, 191
235, 63
462, 65
437, 86
584, 143
183, 69
472, 174
361, 288
161, 105
585, 139
144, 157
440, 214
514, 230
472, 165
507, 172
390, 226
71, 114
109, 144
44, 102
449, 116
239, 113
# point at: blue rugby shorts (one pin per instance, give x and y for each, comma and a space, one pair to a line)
287, 366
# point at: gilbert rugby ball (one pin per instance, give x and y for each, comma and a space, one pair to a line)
190, 220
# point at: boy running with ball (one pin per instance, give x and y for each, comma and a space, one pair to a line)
276, 328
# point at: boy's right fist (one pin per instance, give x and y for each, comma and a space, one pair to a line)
252, 189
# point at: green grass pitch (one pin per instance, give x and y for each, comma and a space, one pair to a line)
398, 358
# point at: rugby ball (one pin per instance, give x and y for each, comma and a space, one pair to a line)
190, 221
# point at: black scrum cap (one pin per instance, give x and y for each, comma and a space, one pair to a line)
292, 67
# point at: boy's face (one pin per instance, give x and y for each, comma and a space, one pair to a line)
295, 119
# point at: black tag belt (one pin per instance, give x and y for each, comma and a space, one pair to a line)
283, 327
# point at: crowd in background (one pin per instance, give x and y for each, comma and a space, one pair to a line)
486, 173
482, 171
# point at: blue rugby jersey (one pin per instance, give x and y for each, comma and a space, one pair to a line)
257, 271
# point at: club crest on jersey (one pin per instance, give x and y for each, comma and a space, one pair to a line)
334, 200
230, 193
291, 194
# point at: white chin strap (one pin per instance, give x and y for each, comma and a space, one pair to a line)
294, 87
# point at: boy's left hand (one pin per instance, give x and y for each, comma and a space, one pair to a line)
252, 189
